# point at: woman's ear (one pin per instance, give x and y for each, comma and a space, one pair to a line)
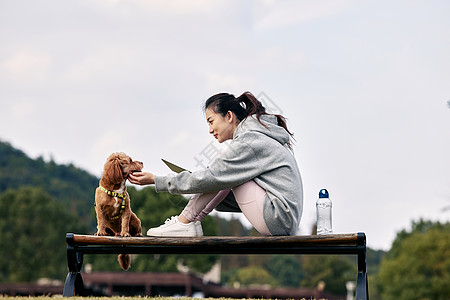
230, 116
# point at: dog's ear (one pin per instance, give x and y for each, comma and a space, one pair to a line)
113, 170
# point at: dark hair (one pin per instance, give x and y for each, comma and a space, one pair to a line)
243, 106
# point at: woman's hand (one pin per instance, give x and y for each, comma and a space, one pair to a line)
141, 178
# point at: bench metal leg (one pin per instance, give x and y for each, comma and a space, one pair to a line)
74, 285
362, 291
74, 282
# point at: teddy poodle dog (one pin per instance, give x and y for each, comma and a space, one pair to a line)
112, 202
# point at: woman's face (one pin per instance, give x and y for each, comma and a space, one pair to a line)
221, 127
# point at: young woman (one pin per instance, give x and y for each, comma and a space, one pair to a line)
256, 175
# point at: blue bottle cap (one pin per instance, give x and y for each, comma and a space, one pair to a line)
323, 193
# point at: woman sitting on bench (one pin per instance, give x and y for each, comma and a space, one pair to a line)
257, 174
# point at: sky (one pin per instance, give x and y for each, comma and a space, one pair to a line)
364, 86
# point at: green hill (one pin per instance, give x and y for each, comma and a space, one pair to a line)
71, 186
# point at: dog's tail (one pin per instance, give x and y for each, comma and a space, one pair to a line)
124, 261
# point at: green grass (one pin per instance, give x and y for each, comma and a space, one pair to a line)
107, 298
92, 298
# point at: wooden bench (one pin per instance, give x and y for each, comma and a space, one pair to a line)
344, 244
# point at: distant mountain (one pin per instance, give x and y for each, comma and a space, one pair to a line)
72, 186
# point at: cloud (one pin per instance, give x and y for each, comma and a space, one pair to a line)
180, 7
102, 63
277, 57
21, 110
221, 81
27, 64
107, 143
179, 139
278, 14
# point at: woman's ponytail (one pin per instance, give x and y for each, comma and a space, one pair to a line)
253, 106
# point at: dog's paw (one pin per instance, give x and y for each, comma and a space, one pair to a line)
124, 234
101, 233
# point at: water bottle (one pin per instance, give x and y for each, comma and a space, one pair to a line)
323, 208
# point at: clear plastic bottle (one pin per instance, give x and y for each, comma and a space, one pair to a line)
323, 208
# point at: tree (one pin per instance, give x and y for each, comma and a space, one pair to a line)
32, 241
252, 275
418, 264
335, 271
374, 258
286, 270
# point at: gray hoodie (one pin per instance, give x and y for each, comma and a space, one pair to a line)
256, 153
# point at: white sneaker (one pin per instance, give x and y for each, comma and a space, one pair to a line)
198, 228
173, 228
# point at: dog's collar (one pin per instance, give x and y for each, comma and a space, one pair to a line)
122, 205
113, 194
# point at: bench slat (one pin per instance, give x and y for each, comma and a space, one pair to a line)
218, 241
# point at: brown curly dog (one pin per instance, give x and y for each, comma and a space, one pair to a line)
112, 202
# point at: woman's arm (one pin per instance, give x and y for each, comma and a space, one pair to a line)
142, 178
237, 165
